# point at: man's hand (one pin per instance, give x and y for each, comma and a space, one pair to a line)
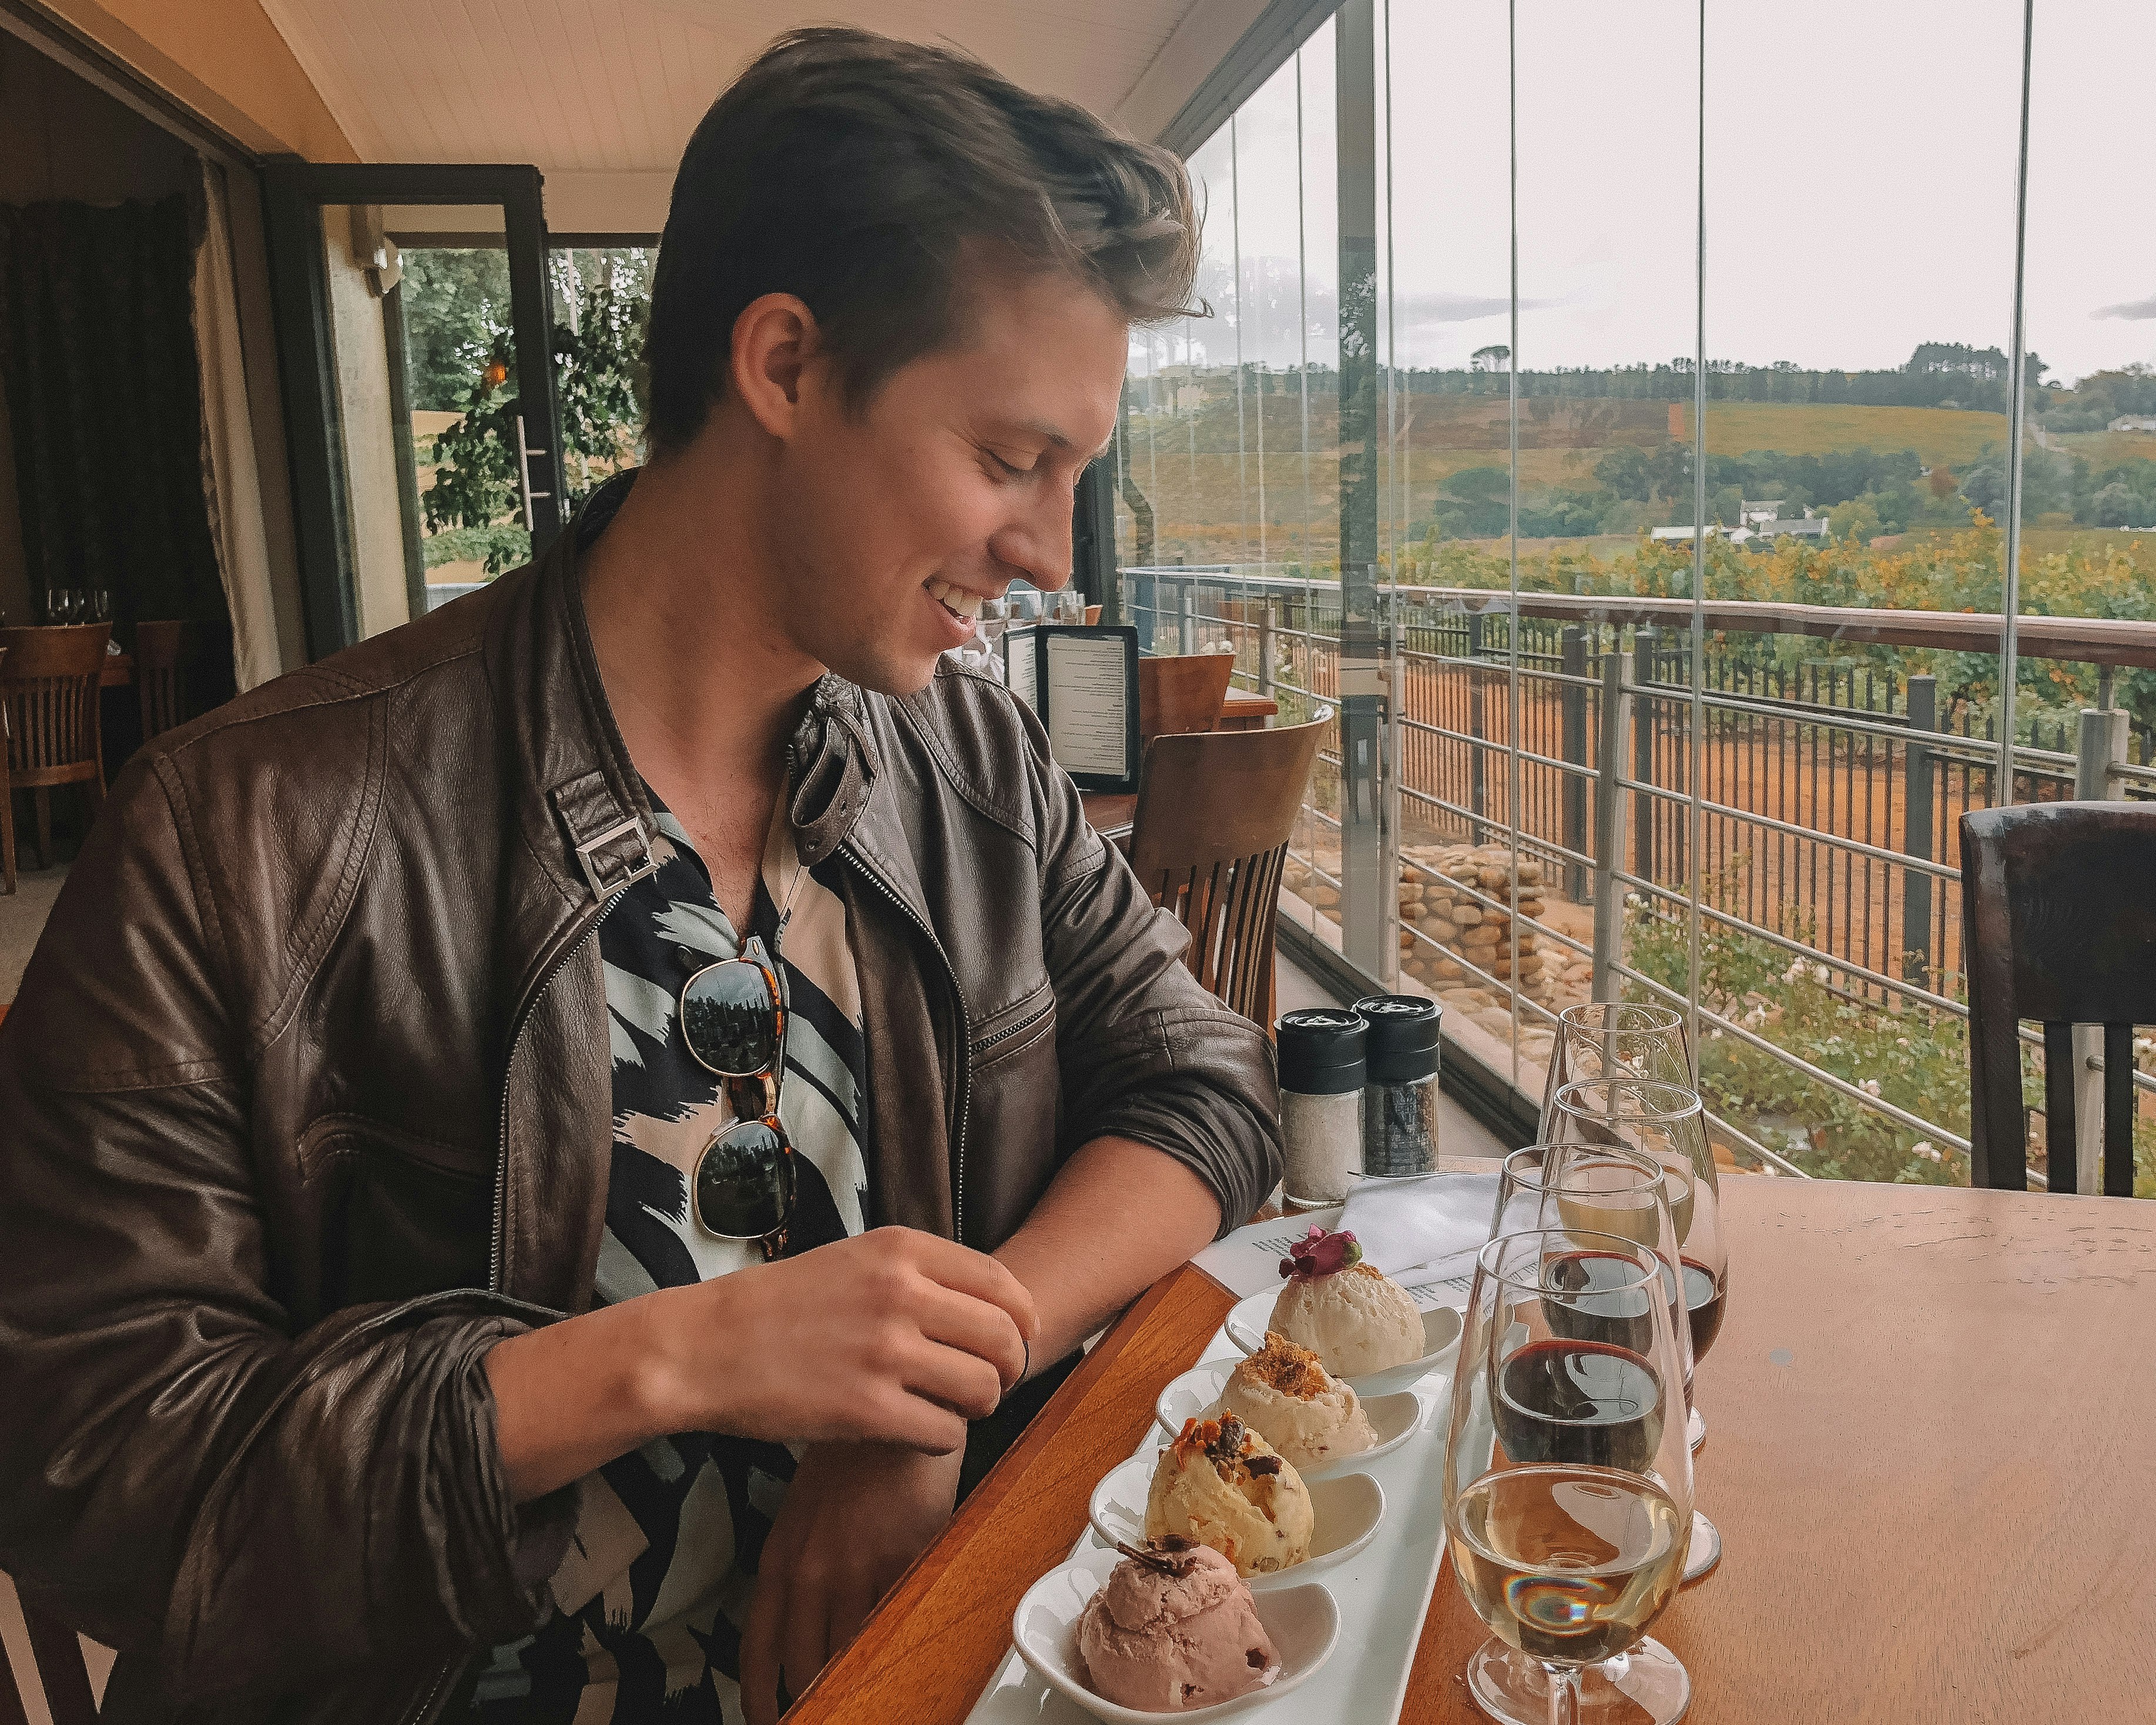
892, 1337
854, 1516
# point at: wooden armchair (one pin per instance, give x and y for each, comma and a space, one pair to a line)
1181, 693
49, 691
1216, 812
160, 674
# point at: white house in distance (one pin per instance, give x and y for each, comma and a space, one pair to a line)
2133, 422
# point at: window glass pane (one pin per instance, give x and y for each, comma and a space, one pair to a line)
1858, 328
2088, 448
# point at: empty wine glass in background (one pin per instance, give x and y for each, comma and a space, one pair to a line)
1667, 1123
100, 605
1616, 1039
1567, 1482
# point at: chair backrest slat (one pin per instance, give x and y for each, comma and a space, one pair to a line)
2058, 926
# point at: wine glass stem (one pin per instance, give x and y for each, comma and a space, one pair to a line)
1564, 1693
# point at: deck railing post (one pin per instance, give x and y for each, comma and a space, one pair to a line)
1609, 829
1265, 643
1646, 645
1918, 957
1572, 707
1478, 787
2103, 747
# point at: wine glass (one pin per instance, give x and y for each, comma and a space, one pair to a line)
1616, 1039
1568, 1483
100, 605
1667, 1123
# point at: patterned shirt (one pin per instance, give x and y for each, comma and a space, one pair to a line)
652, 1598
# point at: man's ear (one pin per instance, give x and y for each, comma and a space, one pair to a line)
775, 339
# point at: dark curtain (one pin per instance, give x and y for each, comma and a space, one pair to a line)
97, 355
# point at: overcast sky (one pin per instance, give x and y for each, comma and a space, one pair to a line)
1860, 183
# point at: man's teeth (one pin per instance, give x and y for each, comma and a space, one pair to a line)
955, 599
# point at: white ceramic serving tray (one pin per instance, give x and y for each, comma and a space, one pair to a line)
1383, 1591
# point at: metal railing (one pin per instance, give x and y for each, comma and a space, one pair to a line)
1828, 798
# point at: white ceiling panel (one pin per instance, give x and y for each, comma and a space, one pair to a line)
616, 86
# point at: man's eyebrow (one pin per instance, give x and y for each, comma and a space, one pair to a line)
1057, 438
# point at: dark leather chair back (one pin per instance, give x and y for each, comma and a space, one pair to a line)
2058, 926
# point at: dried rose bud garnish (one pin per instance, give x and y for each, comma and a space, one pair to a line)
1318, 1253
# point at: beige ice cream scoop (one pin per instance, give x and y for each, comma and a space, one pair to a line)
1175, 1629
1284, 1394
1357, 1319
1221, 1484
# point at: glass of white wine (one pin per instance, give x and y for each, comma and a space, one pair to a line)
1616, 1039
1567, 1482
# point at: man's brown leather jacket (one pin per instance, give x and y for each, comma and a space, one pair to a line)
305, 1101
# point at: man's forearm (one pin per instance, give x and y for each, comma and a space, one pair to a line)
1118, 1217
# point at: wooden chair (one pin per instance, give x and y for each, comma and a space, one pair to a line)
48, 687
60, 1669
1182, 693
1216, 812
2058, 925
160, 674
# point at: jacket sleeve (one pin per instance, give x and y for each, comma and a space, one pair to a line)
181, 1474
1146, 1051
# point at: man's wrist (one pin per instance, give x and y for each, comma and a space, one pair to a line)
655, 1378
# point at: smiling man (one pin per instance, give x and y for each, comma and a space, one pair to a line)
526, 1145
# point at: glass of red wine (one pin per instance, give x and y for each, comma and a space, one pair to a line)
1616, 1039
1567, 1482
1667, 1123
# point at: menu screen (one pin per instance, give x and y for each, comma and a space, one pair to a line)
1088, 704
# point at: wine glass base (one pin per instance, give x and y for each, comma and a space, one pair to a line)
1706, 1550
1646, 1685
1695, 1429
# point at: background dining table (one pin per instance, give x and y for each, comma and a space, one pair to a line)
1931, 1451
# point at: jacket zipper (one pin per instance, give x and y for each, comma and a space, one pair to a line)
1019, 1029
516, 1041
963, 1100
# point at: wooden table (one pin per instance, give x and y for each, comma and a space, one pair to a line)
1931, 1451
1243, 710
119, 672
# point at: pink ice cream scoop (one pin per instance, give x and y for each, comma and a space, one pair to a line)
1175, 1629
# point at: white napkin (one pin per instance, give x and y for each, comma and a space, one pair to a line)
1420, 1229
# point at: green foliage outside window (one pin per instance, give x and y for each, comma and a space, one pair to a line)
461, 349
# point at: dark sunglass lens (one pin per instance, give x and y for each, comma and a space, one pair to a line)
729, 1019
745, 1181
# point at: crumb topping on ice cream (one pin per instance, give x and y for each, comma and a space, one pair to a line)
1284, 1393
1222, 1485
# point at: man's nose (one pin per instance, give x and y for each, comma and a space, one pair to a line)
1038, 544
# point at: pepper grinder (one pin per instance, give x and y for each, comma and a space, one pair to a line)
1399, 1094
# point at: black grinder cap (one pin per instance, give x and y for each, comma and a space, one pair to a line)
1401, 1047
1321, 1050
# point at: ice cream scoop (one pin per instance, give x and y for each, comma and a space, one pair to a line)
1221, 1484
1352, 1316
1174, 1629
1284, 1394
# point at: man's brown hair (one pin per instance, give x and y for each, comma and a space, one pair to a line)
868, 176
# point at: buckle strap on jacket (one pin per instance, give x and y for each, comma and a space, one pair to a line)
611, 844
